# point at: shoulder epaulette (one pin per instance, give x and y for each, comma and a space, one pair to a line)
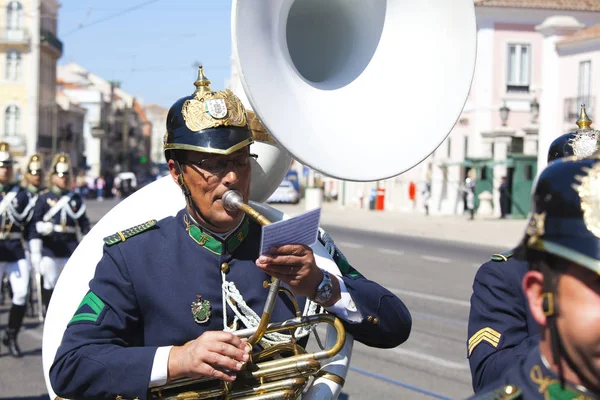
508, 392
501, 257
122, 236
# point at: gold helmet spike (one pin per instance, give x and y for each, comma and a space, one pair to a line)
202, 83
584, 122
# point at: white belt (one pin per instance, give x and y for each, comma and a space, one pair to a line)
11, 236
64, 229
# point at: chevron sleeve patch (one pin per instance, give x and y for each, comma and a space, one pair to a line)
489, 335
89, 310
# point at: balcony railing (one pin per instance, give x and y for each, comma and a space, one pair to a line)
573, 105
14, 36
50, 39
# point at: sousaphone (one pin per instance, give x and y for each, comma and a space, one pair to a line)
360, 90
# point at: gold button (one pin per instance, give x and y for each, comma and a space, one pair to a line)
369, 318
225, 267
375, 321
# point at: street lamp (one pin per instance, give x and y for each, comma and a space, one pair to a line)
504, 111
535, 110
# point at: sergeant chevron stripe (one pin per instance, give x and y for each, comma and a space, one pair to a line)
484, 335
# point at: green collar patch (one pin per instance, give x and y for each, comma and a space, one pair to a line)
32, 189
89, 309
216, 244
501, 257
122, 236
552, 387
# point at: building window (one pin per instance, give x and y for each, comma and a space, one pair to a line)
517, 145
14, 12
13, 65
12, 116
584, 85
517, 72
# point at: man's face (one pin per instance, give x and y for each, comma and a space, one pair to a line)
34, 180
579, 321
208, 177
62, 182
6, 174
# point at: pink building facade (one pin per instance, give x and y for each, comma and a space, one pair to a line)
537, 61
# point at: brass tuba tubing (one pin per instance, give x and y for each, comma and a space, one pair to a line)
233, 200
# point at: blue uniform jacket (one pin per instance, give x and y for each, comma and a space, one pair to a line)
535, 381
501, 330
12, 225
141, 296
60, 244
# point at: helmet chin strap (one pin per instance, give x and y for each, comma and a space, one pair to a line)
551, 311
188, 195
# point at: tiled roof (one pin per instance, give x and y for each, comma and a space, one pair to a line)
572, 5
139, 111
592, 32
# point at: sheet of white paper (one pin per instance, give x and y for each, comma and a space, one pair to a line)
301, 229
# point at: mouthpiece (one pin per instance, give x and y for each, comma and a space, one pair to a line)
232, 199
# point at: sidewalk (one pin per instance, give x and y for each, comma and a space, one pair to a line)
497, 233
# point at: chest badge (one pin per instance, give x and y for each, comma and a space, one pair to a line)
51, 202
201, 310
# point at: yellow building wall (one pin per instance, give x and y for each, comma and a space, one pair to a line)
16, 92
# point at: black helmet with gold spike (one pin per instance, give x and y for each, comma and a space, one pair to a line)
6, 158
581, 143
207, 121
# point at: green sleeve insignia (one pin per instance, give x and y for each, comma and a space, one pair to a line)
122, 236
89, 309
501, 257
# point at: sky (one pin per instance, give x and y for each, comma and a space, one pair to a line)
152, 47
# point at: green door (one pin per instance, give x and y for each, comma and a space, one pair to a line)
484, 178
525, 171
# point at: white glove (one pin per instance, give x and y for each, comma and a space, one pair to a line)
36, 254
44, 228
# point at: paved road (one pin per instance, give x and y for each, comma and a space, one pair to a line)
432, 277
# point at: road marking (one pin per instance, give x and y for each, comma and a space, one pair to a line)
431, 317
436, 259
391, 251
350, 245
432, 297
399, 383
431, 359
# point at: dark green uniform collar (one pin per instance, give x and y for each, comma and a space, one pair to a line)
214, 243
56, 190
32, 189
548, 383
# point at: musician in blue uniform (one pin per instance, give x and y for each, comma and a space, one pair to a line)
136, 321
13, 201
58, 214
562, 286
501, 330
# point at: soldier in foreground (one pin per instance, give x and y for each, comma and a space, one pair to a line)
501, 329
562, 287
